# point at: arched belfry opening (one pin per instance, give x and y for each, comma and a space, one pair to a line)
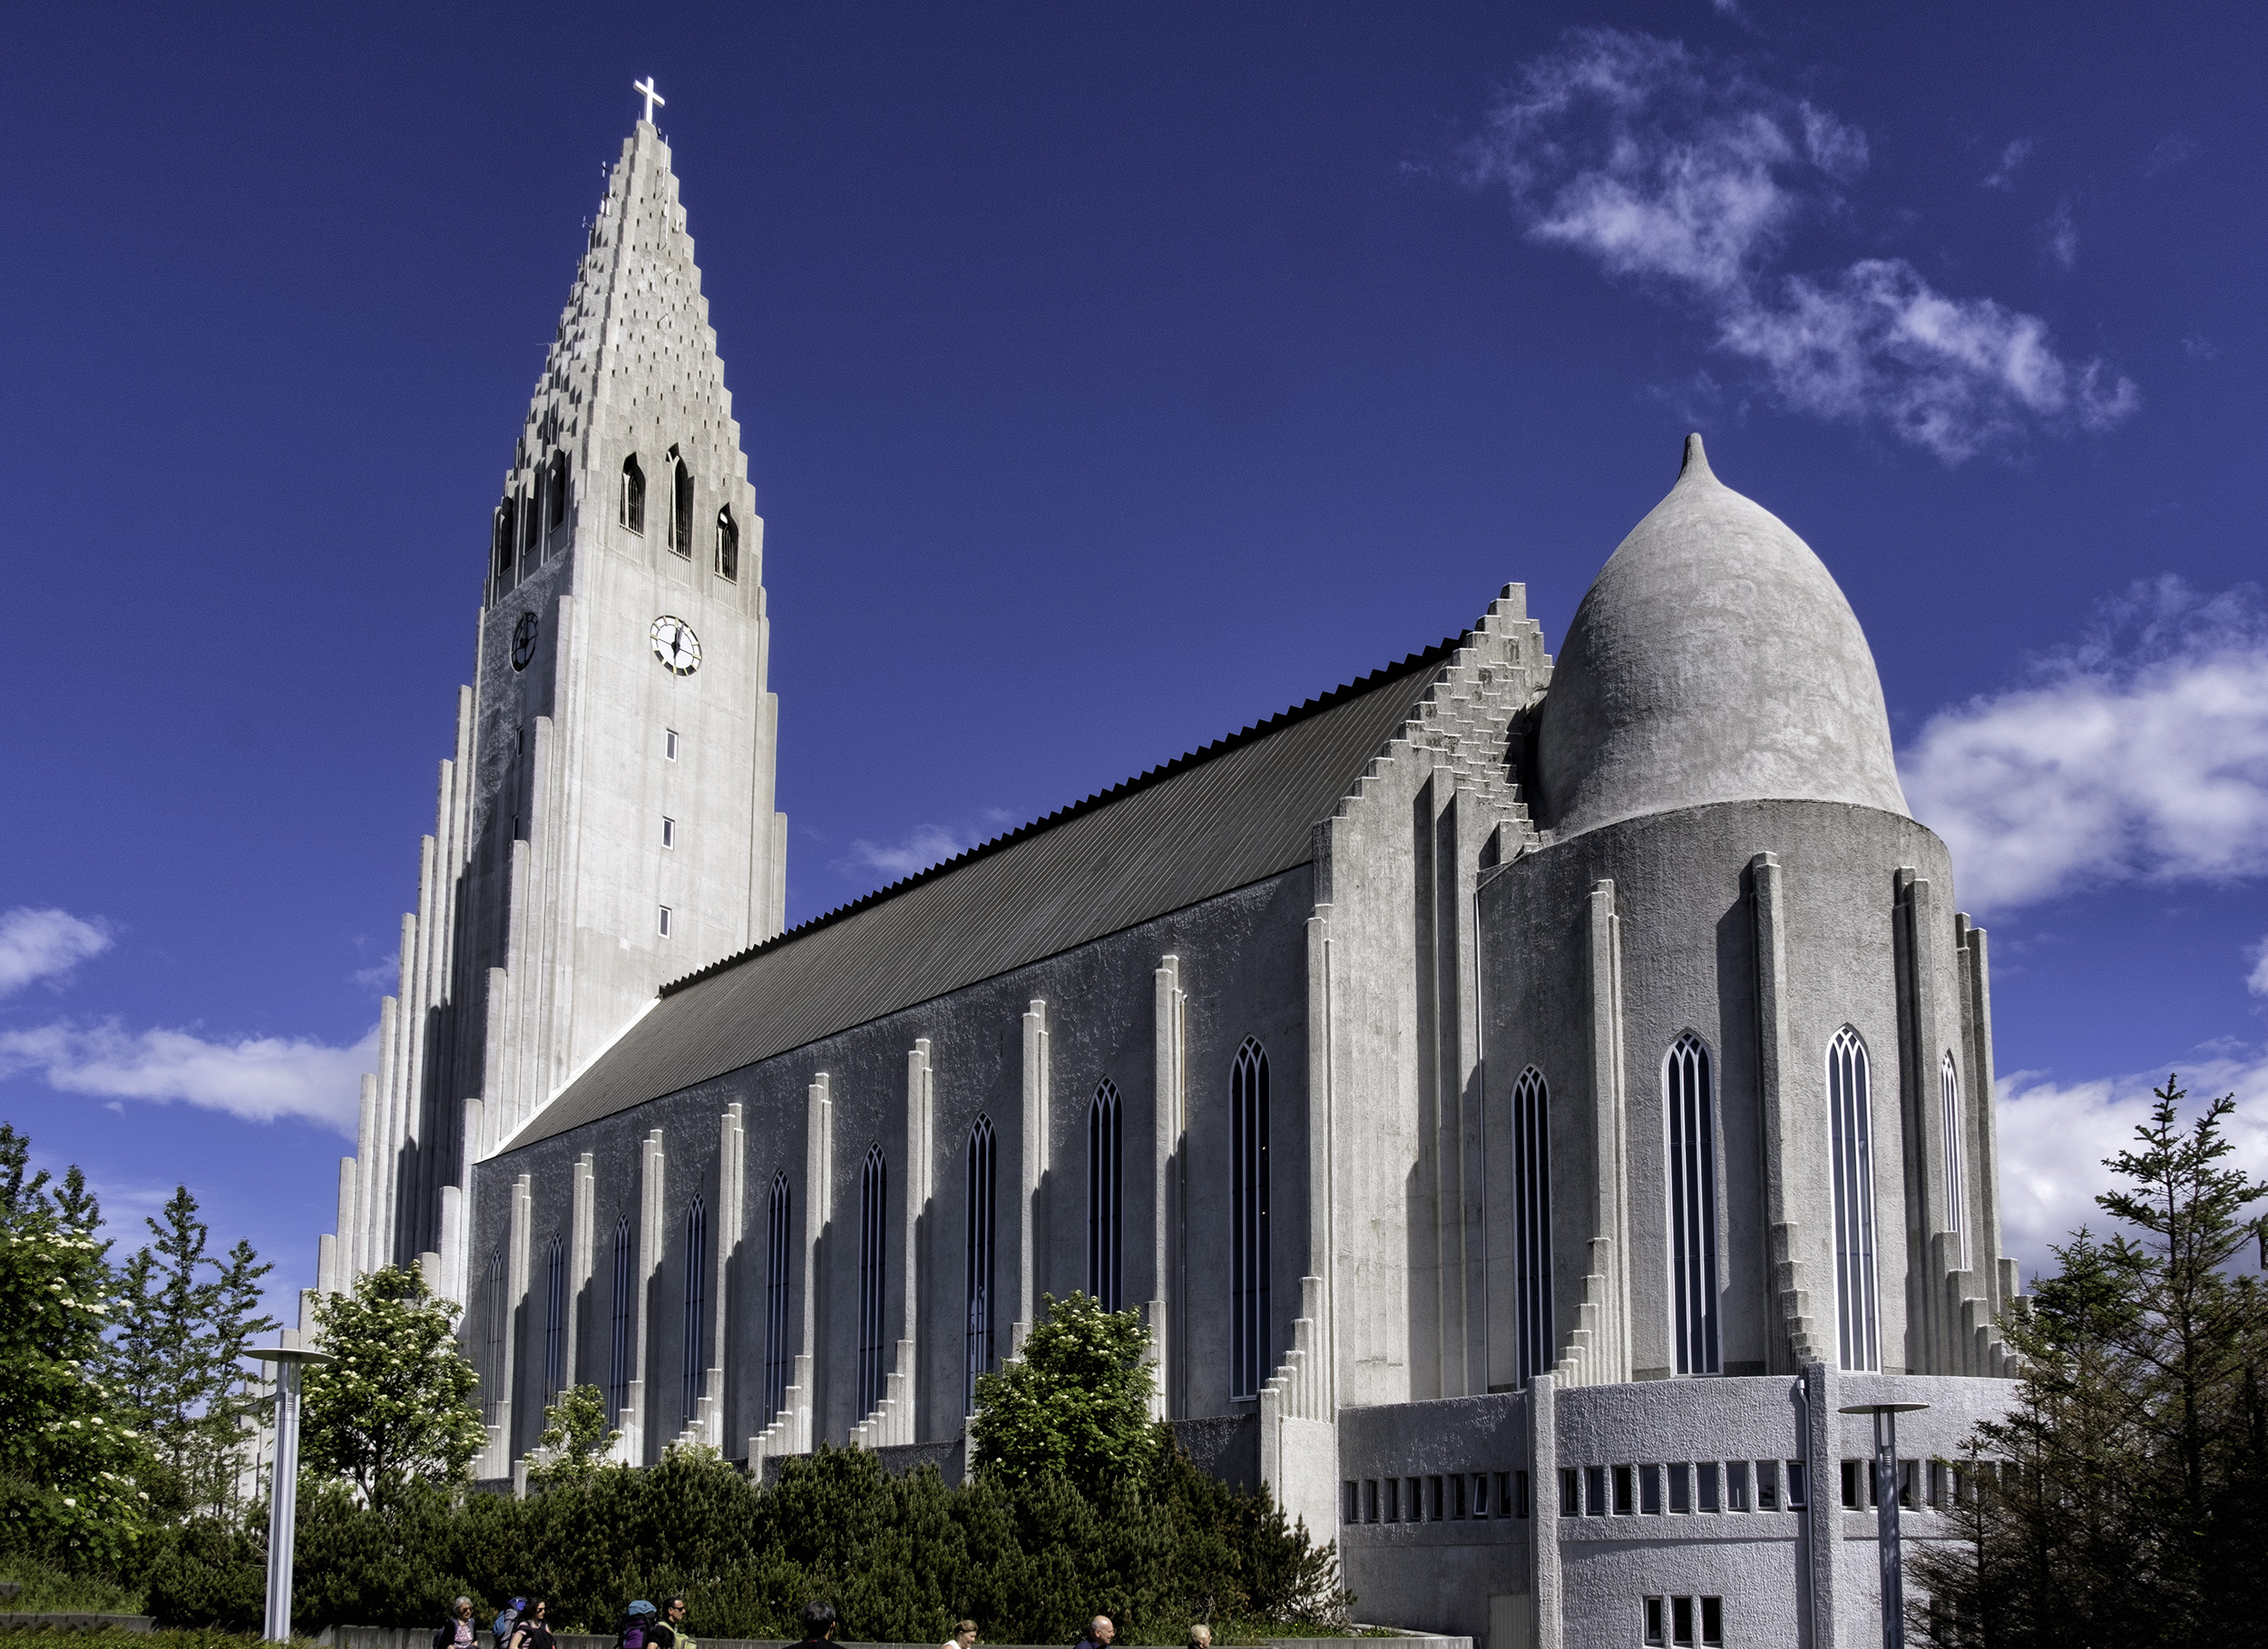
555, 494
1689, 1101
680, 507
633, 505
728, 544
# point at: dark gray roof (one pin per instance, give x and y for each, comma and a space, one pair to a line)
1241, 809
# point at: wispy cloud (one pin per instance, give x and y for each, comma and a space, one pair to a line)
921, 846
258, 1079
2140, 754
45, 945
2063, 237
1687, 174
2169, 152
2053, 1137
2258, 981
2003, 175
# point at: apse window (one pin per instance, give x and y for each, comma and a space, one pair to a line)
669, 745
665, 922
669, 832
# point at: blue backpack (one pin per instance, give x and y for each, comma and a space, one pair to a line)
502, 1630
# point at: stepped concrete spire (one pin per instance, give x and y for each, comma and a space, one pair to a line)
1715, 659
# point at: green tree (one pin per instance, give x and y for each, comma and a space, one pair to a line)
1075, 1404
395, 1405
68, 1460
180, 1334
575, 1440
2121, 1500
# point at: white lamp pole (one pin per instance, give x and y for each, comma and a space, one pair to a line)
283, 1488
1886, 1541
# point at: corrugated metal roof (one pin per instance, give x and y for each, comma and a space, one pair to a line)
1238, 810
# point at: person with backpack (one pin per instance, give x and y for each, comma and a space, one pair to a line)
531, 1631
670, 1629
500, 1629
638, 1626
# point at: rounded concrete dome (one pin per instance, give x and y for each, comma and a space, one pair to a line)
1714, 660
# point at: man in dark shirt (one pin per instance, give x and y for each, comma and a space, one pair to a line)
818, 1623
1099, 1631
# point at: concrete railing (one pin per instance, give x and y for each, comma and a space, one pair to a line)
420, 1638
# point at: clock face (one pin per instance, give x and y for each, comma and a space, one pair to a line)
524, 641
675, 645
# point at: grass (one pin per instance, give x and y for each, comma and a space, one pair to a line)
48, 1590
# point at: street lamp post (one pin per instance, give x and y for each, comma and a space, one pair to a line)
1886, 1543
283, 1488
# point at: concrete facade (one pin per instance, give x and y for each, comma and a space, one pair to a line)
1628, 1064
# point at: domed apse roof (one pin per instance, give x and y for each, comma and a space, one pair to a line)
1714, 660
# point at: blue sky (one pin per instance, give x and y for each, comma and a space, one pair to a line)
1112, 376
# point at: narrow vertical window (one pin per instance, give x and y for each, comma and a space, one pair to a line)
681, 508
696, 1301
664, 924
555, 494
493, 1371
728, 544
1103, 1196
1850, 1103
874, 1203
977, 1356
779, 1250
1531, 1220
668, 831
555, 1320
1956, 1181
1687, 1097
500, 545
618, 1364
668, 745
633, 494
1248, 1220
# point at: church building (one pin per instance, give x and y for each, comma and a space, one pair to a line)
1531, 1098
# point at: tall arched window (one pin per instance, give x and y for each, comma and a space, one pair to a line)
555, 494
500, 544
728, 544
492, 1363
633, 494
1688, 1097
1103, 1196
1956, 1179
1531, 1220
779, 1238
1248, 1220
695, 1301
983, 1182
618, 1362
873, 1207
680, 507
554, 1319
1849, 1101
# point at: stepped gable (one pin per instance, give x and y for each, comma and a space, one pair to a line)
1239, 811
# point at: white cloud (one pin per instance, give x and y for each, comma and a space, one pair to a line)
45, 944
917, 850
258, 1079
2012, 158
2258, 981
2063, 237
2140, 755
2054, 1138
1687, 174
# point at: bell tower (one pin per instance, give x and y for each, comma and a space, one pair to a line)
606, 822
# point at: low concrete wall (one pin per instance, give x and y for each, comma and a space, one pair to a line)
420, 1638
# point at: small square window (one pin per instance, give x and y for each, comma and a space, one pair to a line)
1416, 1499
1623, 1505
1654, 1621
1480, 1494
1853, 1499
1680, 1487
1353, 1513
1736, 1486
1370, 1499
1909, 1479
1650, 1490
1457, 1497
1706, 1475
1596, 1482
1712, 1620
669, 832
670, 743
1519, 1493
1795, 1485
1767, 1486
1393, 1499
1571, 1492
665, 922
1436, 1510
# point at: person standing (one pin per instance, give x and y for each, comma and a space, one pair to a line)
1100, 1631
456, 1632
963, 1636
818, 1622
669, 1631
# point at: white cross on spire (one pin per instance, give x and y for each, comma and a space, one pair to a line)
652, 96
